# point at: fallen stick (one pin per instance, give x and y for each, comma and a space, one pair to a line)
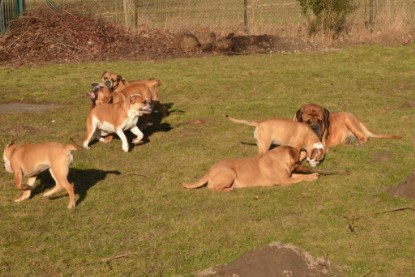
352, 219
116, 257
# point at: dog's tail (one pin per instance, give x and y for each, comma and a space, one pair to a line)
369, 134
247, 122
200, 183
154, 82
73, 146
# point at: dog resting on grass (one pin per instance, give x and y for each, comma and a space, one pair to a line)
273, 168
279, 131
336, 128
117, 118
29, 160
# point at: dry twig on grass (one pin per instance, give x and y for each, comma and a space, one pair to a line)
352, 219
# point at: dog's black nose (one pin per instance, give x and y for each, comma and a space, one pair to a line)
108, 83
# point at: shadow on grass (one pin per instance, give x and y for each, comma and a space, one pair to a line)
82, 180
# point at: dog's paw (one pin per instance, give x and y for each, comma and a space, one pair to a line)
125, 148
107, 139
71, 205
137, 141
312, 177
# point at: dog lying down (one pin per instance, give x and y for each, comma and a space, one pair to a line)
267, 169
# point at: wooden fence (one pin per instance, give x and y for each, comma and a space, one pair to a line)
253, 16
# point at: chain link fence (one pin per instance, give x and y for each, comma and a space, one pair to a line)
249, 16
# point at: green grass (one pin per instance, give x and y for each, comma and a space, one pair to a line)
164, 230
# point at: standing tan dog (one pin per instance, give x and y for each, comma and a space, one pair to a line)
116, 118
274, 167
29, 160
286, 132
117, 83
336, 127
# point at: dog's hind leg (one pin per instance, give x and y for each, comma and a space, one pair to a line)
60, 175
222, 180
353, 125
91, 130
58, 187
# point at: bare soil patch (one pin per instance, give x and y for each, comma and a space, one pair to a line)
405, 189
45, 35
276, 259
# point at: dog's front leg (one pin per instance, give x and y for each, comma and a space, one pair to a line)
28, 189
123, 138
138, 133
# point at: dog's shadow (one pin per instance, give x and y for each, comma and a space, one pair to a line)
82, 180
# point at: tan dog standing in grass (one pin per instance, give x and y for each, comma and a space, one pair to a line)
274, 167
336, 127
116, 118
29, 160
118, 84
279, 131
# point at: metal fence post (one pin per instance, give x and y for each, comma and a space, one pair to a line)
2, 18
246, 23
20, 7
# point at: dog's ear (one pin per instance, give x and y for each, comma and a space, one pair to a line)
303, 154
134, 97
326, 118
119, 78
298, 115
105, 72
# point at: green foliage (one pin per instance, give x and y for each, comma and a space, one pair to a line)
327, 15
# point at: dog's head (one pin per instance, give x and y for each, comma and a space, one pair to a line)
112, 80
316, 155
316, 117
99, 94
140, 104
8, 150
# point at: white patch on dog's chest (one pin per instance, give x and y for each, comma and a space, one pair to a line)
131, 120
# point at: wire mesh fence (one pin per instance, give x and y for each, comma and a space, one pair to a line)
253, 16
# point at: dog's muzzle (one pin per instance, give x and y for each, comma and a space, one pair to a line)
317, 130
312, 162
108, 83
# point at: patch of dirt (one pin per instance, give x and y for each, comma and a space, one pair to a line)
45, 35
277, 260
26, 108
405, 189
409, 104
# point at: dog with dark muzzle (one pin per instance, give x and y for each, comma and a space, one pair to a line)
334, 128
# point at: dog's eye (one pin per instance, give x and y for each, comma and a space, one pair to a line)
319, 121
308, 121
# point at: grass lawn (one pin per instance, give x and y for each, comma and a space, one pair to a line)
126, 224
